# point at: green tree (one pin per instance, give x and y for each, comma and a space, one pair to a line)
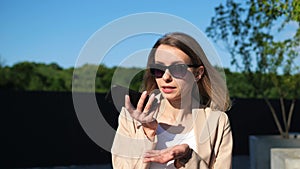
83, 78
238, 86
35, 76
21, 74
252, 32
103, 78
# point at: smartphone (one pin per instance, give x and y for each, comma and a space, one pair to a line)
117, 93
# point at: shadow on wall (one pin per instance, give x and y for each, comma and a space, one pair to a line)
41, 129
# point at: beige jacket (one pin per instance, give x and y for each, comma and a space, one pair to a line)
213, 139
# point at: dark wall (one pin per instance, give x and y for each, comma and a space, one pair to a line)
42, 129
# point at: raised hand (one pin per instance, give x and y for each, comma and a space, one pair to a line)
144, 115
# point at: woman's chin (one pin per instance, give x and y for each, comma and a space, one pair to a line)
171, 97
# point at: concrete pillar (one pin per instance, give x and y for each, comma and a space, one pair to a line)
285, 158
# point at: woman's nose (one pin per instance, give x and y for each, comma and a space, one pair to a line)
167, 76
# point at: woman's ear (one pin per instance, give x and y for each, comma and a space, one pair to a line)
199, 73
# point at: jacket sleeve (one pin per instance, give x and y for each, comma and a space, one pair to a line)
224, 144
130, 143
221, 150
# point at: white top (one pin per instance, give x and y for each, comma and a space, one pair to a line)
167, 139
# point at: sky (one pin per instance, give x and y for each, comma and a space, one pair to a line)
55, 31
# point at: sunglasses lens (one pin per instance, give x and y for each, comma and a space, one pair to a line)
157, 72
178, 71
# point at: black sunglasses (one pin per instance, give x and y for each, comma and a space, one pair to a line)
177, 70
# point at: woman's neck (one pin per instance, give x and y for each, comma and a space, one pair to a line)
176, 119
176, 111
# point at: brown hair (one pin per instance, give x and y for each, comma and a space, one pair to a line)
211, 87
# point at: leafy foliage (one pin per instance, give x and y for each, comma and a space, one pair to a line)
32, 76
253, 31
42, 77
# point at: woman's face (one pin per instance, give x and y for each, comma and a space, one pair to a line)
174, 88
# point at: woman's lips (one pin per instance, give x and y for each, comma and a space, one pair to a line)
168, 89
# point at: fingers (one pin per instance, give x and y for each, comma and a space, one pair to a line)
149, 103
140, 104
165, 155
141, 114
153, 156
152, 153
150, 109
128, 104
158, 156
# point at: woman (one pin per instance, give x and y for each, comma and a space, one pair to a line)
183, 124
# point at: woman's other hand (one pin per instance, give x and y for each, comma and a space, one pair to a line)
181, 151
